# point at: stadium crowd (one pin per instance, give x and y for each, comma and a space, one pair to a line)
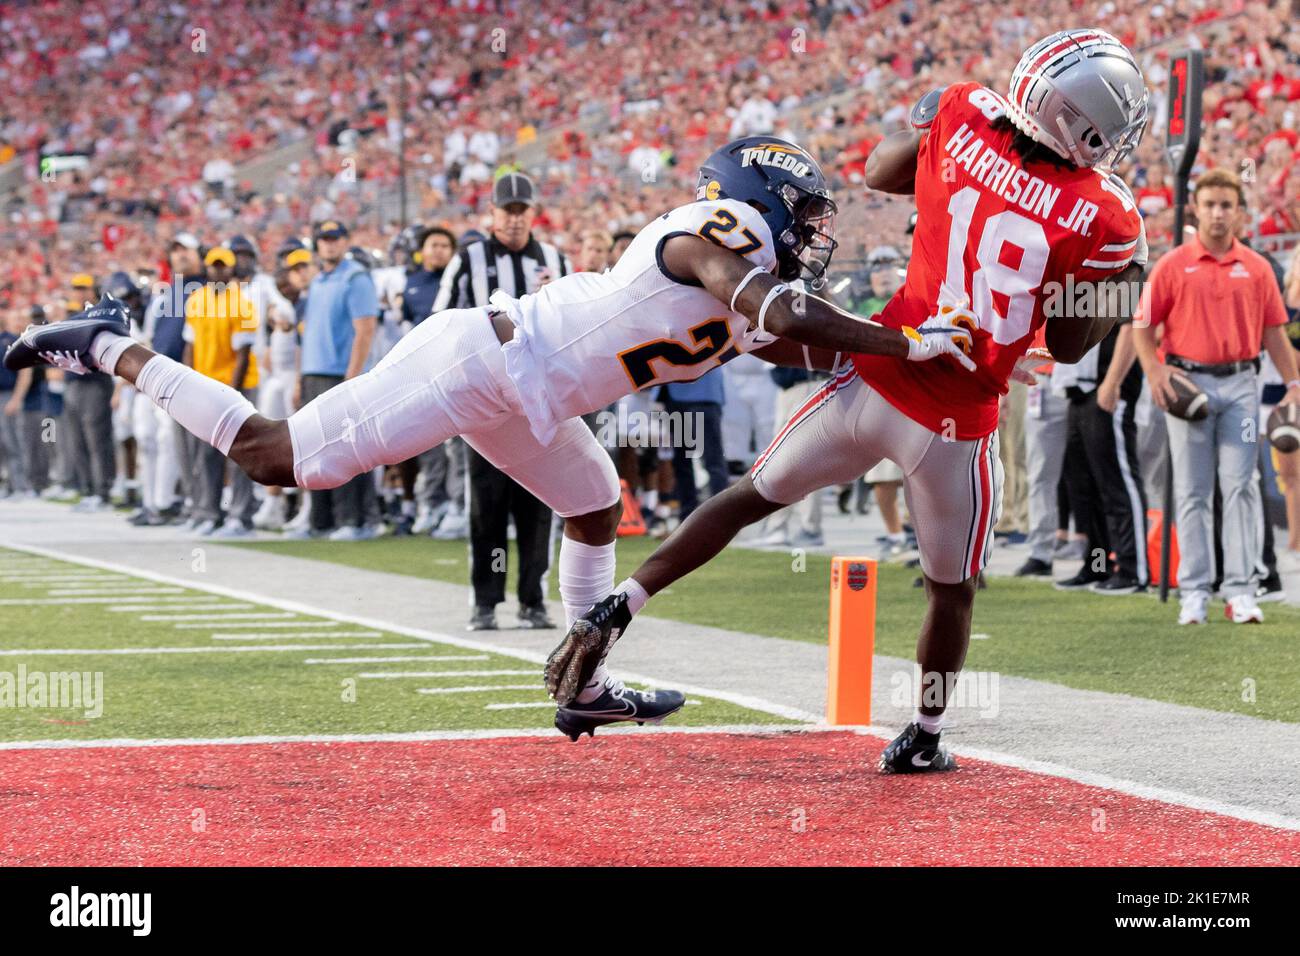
139, 135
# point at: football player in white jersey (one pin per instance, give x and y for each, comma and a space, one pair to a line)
698, 286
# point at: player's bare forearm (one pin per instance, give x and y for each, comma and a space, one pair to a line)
708, 530
891, 167
1071, 337
800, 317
789, 354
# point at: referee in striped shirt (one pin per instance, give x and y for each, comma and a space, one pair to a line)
511, 260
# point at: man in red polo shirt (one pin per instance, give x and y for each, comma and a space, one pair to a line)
1208, 309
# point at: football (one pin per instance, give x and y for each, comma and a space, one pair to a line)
1191, 404
1284, 428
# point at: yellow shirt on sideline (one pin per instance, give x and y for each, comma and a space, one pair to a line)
220, 320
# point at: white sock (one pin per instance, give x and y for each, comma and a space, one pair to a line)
204, 407
596, 686
931, 725
586, 576
636, 595
107, 348
650, 499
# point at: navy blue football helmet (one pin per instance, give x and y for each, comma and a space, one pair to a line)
787, 187
404, 250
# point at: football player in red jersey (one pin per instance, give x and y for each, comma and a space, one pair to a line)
1018, 210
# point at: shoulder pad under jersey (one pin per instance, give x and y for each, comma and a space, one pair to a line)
926, 108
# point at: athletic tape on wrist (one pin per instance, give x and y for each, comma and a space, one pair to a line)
772, 293
757, 270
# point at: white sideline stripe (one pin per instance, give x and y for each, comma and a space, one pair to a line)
1105, 782
379, 675
417, 736
528, 706
452, 640
1032, 766
227, 606
471, 690
381, 660
116, 599
228, 649
213, 617
280, 637
86, 592
208, 627
32, 580
551, 703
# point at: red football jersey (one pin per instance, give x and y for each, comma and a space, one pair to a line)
1010, 239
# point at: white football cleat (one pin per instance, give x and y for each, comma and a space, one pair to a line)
1192, 609
1242, 609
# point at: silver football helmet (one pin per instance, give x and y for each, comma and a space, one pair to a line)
1080, 93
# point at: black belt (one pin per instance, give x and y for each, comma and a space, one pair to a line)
1222, 370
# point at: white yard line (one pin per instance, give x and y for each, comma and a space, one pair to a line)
215, 617
379, 675
117, 599
138, 608
550, 703
283, 636
382, 660
35, 580
474, 689
226, 649
241, 594
208, 627
87, 592
528, 706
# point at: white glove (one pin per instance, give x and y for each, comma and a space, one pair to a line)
1023, 370
948, 333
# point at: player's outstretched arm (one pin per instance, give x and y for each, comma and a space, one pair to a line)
891, 167
789, 354
777, 309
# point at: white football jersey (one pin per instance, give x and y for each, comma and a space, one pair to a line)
588, 338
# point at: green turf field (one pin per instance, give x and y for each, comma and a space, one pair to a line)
282, 680
1128, 645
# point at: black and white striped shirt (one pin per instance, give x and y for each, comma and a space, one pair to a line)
486, 265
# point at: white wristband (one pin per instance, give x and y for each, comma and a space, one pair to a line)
1294, 383
762, 309
757, 270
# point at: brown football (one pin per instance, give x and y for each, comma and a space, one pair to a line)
1284, 428
1191, 404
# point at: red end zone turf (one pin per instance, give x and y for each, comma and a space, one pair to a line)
642, 800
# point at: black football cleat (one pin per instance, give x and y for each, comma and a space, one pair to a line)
916, 751
535, 617
579, 653
617, 703
66, 344
483, 619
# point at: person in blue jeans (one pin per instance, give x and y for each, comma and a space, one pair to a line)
696, 421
